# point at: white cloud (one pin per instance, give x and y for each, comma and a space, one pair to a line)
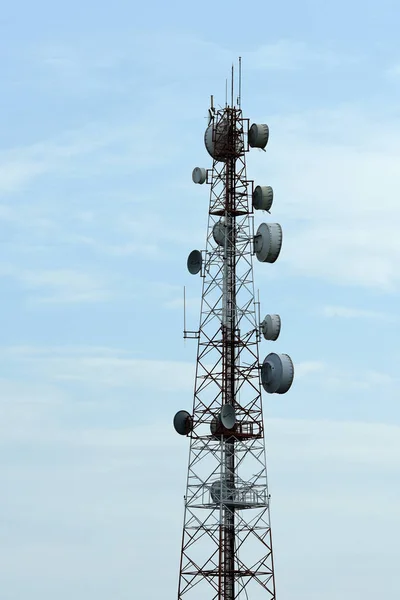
14, 392
90, 65
303, 369
351, 442
120, 372
20, 166
86, 494
17, 174
341, 377
88, 150
102, 367
289, 54
336, 186
64, 286
356, 313
393, 71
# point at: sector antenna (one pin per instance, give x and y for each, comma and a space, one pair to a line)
226, 551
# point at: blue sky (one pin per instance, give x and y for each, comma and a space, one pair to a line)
102, 121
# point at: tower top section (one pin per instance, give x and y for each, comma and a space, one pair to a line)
229, 135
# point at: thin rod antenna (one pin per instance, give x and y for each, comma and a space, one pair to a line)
240, 82
232, 86
226, 92
184, 310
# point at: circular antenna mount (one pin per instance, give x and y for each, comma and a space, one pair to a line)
258, 135
194, 262
271, 327
268, 242
263, 197
277, 373
199, 175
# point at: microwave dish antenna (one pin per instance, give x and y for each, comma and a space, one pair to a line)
194, 262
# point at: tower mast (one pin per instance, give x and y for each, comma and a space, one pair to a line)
226, 545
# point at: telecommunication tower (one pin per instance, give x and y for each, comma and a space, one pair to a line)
226, 544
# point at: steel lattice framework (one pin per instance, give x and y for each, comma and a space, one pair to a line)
226, 544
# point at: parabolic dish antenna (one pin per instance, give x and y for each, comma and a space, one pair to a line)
219, 141
271, 327
258, 135
263, 197
183, 422
219, 232
220, 491
194, 262
199, 175
228, 416
268, 242
215, 490
277, 373
216, 139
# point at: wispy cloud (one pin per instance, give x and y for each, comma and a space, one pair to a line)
64, 286
393, 71
306, 368
356, 313
122, 372
87, 150
96, 489
110, 367
332, 377
20, 166
361, 381
340, 225
290, 54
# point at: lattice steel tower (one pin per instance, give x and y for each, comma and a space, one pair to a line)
226, 543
